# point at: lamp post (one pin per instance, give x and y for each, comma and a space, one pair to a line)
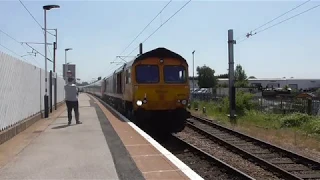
193, 69
55, 44
46, 98
66, 64
54, 71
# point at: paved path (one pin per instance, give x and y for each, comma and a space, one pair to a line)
66, 152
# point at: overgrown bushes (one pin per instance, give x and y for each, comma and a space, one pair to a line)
307, 123
248, 113
243, 103
313, 127
295, 120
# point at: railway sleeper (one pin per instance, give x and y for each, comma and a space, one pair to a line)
309, 176
283, 152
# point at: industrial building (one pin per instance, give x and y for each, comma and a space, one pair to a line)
298, 84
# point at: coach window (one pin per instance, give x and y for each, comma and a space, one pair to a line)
147, 74
128, 76
175, 74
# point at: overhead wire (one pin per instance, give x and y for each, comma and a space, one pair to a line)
116, 64
13, 52
288, 19
19, 41
160, 26
146, 26
42, 29
282, 15
1, 31
38, 52
247, 35
281, 22
22, 45
9, 36
32, 56
31, 14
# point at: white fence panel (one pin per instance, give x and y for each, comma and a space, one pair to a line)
22, 88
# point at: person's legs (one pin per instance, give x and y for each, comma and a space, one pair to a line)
69, 109
76, 111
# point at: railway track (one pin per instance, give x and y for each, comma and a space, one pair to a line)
207, 166
283, 163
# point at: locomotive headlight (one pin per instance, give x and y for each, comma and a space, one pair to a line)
184, 102
139, 103
144, 101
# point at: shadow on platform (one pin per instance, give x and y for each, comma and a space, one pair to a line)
63, 126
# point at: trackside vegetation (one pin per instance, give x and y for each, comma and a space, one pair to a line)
248, 113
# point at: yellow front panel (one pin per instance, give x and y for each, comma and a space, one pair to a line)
161, 95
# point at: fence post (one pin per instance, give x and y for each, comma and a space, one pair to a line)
309, 110
50, 91
55, 92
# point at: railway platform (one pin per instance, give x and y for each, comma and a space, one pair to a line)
106, 146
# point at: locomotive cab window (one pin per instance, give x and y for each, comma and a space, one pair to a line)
175, 74
147, 74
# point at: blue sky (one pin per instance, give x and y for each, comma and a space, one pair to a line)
98, 31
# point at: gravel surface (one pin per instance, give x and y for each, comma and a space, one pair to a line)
224, 154
272, 138
198, 162
259, 150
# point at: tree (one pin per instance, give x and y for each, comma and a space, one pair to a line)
223, 75
240, 77
206, 78
240, 74
252, 77
241, 84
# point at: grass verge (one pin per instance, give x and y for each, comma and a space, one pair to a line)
298, 132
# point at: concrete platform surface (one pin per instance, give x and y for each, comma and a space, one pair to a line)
66, 152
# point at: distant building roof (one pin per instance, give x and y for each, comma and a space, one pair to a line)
306, 95
266, 79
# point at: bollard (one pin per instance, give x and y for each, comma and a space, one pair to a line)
196, 105
233, 119
284, 111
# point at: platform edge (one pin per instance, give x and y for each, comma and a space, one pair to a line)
177, 162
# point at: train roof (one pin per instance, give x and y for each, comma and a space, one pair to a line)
127, 64
160, 52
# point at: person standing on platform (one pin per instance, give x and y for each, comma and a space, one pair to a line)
71, 97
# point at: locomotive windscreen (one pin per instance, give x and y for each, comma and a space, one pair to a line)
147, 74
174, 74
